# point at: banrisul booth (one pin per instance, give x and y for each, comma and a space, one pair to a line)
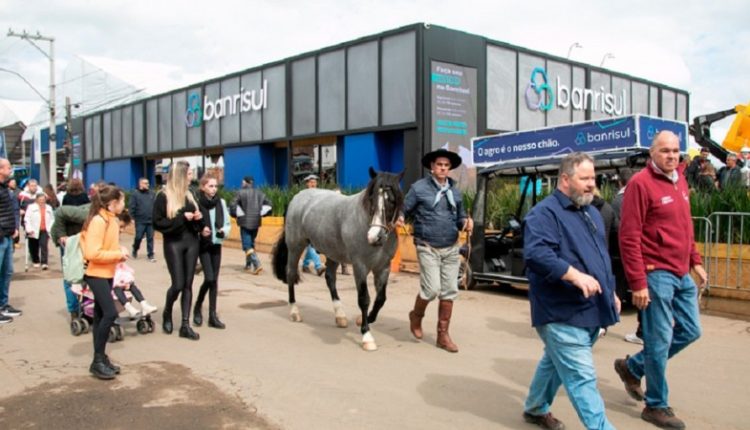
382, 101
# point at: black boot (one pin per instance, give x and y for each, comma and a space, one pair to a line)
187, 332
198, 315
167, 315
115, 368
100, 369
213, 321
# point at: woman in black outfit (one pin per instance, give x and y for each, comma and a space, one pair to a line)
74, 194
217, 227
177, 217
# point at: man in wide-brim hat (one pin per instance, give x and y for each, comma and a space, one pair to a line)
436, 209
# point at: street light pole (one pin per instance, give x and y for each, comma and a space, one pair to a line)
606, 56
570, 49
51, 56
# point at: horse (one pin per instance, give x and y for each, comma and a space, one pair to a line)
356, 230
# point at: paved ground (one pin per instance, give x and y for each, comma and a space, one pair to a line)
266, 372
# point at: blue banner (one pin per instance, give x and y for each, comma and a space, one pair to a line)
649, 126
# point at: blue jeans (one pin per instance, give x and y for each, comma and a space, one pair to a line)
311, 256
6, 268
247, 236
567, 360
142, 228
670, 323
70, 298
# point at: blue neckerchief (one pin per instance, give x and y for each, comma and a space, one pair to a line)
443, 190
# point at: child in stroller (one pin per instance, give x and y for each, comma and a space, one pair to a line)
125, 281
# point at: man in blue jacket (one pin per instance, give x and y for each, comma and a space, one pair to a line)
436, 208
142, 209
571, 292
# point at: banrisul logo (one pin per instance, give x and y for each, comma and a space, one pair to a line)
540, 95
244, 101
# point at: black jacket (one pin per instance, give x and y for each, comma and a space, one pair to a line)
251, 200
173, 228
7, 215
141, 206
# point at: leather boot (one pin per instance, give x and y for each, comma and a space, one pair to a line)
416, 315
444, 321
167, 315
213, 321
115, 368
100, 369
187, 332
198, 314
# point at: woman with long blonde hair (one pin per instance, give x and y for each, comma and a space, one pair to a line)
177, 217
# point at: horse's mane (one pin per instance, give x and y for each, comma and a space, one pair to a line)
369, 199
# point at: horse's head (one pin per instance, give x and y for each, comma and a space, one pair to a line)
382, 200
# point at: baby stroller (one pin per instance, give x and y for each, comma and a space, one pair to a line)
144, 324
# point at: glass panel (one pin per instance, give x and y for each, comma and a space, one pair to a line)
667, 104
165, 123
682, 110
622, 97
179, 128
501, 89
640, 98
107, 135
653, 101
274, 116
116, 133
89, 138
362, 86
127, 131
138, 132
191, 120
600, 85
152, 126
398, 67
530, 113
559, 74
579, 81
314, 156
231, 102
331, 91
251, 119
303, 96
97, 133
210, 123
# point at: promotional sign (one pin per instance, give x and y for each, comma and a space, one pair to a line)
77, 157
594, 136
244, 101
541, 96
454, 114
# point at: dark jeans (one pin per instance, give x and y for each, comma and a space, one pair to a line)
142, 228
105, 312
38, 248
211, 262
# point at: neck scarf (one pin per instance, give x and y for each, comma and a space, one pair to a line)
209, 203
443, 190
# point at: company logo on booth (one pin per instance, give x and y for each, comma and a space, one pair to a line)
539, 94
194, 113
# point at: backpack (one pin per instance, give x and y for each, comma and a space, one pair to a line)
73, 264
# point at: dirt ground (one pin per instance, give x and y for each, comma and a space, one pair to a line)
265, 372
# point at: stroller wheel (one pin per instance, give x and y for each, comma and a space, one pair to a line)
120, 332
76, 328
84, 324
150, 323
142, 326
112, 334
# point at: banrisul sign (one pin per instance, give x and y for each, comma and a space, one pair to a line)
206, 110
543, 95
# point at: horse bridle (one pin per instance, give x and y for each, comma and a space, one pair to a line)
389, 226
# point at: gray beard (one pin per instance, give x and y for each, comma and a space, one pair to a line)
581, 199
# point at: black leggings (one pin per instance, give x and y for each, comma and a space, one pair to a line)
211, 262
181, 255
104, 310
135, 291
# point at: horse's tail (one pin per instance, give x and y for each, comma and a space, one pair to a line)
279, 257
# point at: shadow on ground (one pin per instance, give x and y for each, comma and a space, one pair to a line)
148, 395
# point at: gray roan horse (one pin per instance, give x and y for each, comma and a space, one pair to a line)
356, 230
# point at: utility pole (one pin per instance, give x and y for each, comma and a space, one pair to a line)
51, 56
68, 138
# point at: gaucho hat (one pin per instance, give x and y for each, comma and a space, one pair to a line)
454, 158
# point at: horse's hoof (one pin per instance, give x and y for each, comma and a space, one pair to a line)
295, 317
369, 346
342, 322
359, 321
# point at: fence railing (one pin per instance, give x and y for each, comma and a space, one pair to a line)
725, 239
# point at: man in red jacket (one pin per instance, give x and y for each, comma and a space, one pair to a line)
658, 251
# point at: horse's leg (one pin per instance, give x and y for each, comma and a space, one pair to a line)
381, 282
292, 276
363, 300
338, 309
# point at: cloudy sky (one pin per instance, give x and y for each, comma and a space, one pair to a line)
158, 45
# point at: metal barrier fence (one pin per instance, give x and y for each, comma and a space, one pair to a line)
726, 247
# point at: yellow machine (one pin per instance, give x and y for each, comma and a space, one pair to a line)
736, 139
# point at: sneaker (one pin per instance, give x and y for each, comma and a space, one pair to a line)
132, 311
632, 384
662, 417
10, 311
147, 308
5, 320
546, 421
602, 333
151, 260
633, 338
45, 267
36, 264
134, 255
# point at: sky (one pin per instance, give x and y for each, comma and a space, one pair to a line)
161, 45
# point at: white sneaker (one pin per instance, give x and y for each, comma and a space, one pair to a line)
147, 308
132, 311
632, 338
602, 333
